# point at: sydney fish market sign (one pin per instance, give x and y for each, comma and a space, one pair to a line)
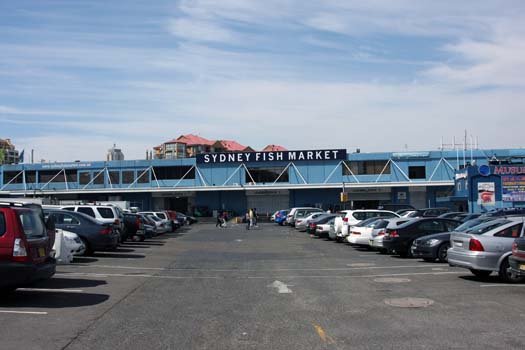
276, 156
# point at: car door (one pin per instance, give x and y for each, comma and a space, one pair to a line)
503, 239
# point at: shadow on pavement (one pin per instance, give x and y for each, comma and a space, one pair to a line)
52, 300
68, 283
118, 256
83, 260
493, 278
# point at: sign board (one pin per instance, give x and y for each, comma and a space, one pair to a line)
277, 156
344, 197
513, 188
486, 193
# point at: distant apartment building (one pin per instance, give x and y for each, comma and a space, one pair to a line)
115, 153
188, 146
8, 153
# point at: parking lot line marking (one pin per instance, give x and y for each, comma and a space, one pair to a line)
501, 285
259, 270
322, 334
50, 290
23, 312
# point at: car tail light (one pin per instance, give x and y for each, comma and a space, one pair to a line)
381, 233
475, 245
105, 231
312, 225
345, 219
393, 234
19, 250
515, 248
356, 233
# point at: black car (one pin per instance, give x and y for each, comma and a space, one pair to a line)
517, 259
435, 246
95, 235
428, 212
400, 239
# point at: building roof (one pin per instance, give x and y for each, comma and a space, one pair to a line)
229, 145
274, 148
193, 140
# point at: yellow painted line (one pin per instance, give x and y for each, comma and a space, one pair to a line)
322, 334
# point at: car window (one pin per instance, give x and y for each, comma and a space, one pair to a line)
65, 219
431, 226
510, 232
106, 213
32, 223
2, 224
470, 223
486, 227
451, 226
87, 210
162, 216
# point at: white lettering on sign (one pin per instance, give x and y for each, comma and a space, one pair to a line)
286, 156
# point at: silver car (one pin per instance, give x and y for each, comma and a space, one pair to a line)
486, 248
301, 223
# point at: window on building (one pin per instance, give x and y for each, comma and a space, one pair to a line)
114, 177
45, 176
267, 175
84, 178
31, 177
143, 176
10, 176
128, 176
174, 172
367, 167
98, 178
71, 175
417, 172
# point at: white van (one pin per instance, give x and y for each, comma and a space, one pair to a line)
349, 218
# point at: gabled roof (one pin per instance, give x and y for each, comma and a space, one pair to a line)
229, 145
192, 140
274, 148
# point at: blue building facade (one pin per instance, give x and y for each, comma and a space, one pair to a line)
265, 180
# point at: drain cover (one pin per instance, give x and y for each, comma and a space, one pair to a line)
392, 280
409, 302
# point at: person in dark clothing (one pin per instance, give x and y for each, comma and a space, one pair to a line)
219, 220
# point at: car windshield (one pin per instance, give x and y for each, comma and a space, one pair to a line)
32, 223
154, 218
378, 224
366, 222
487, 226
471, 223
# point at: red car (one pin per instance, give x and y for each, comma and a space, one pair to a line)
25, 245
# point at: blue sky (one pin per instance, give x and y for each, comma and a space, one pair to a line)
78, 76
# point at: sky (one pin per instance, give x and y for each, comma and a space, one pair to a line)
77, 76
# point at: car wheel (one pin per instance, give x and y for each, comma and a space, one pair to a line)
442, 252
480, 273
505, 274
88, 250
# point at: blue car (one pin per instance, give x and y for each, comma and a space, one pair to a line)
280, 217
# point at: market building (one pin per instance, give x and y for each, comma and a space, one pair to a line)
266, 180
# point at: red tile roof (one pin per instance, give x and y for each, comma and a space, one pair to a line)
230, 145
192, 140
274, 148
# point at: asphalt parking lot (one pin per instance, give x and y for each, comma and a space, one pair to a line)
268, 288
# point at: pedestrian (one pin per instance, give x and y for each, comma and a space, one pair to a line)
254, 221
219, 220
247, 217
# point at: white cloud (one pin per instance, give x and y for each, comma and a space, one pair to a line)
200, 30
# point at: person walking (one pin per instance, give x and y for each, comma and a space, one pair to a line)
219, 220
254, 221
248, 221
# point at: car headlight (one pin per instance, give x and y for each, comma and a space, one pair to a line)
432, 242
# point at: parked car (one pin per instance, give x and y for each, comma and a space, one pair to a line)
166, 223
280, 217
361, 234
435, 246
467, 216
488, 248
95, 235
428, 212
26, 241
319, 220
301, 214
376, 242
108, 214
322, 227
188, 219
150, 228
400, 239
505, 212
301, 223
352, 217
517, 259
290, 217
451, 215
161, 226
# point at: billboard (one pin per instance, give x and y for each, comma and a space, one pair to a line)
486, 193
513, 188
257, 157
